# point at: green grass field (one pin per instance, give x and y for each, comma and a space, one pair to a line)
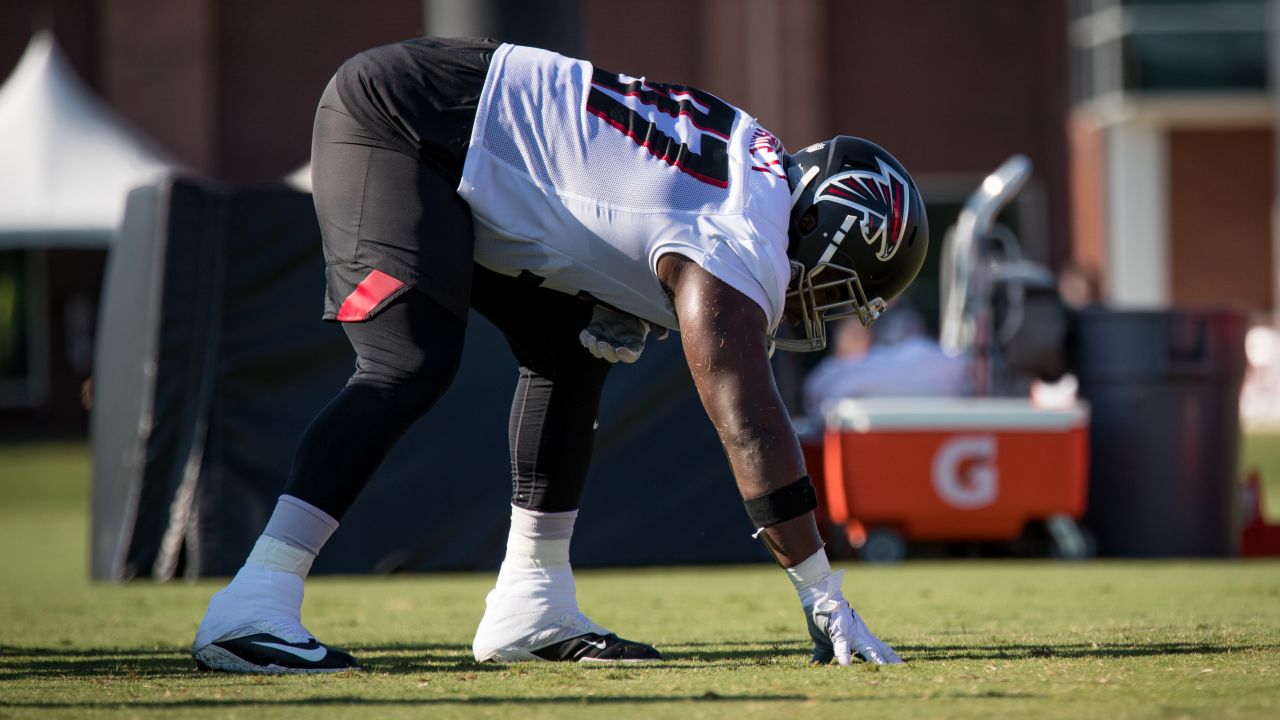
983, 639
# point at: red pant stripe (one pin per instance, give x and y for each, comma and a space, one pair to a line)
368, 295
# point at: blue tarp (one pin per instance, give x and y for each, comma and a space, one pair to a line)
213, 360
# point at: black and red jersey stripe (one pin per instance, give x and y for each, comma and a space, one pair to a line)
709, 114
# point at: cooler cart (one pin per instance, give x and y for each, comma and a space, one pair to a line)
954, 469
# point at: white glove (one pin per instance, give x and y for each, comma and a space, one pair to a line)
616, 336
836, 629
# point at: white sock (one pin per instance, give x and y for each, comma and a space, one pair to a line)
536, 567
278, 555
293, 537
538, 539
300, 524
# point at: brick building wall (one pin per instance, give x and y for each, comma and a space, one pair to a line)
952, 87
1220, 191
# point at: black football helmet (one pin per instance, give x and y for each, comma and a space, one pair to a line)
858, 234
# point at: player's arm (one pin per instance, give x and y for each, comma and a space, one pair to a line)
723, 334
724, 337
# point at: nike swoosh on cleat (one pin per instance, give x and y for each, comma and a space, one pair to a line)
598, 644
313, 655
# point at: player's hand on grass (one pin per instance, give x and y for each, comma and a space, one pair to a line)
838, 632
616, 336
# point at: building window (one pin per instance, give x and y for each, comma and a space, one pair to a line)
1162, 62
1169, 46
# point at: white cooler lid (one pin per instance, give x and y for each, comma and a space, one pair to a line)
952, 414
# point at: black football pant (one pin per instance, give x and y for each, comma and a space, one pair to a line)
386, 204
408, 354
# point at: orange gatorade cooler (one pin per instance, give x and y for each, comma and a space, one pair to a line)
953, 469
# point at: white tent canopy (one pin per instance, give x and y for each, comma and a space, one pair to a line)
67, 162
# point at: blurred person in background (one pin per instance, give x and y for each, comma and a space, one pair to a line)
576, 209
893, 358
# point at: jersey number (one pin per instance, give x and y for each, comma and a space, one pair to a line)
710, 115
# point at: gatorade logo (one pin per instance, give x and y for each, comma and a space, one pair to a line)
964, 471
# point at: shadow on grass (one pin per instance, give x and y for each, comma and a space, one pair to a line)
762, 652
36, 662
33, 662
1069, 650
708, 696
29, 663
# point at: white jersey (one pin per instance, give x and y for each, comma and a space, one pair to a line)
585, 178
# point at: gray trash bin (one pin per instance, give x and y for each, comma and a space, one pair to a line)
1164, 388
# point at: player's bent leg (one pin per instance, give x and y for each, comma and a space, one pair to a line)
399, 248
532, 613
253, 625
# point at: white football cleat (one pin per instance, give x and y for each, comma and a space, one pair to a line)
253, 626
572, 637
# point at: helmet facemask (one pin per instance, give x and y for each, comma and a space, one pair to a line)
826, 292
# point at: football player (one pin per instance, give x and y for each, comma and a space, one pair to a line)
578, 209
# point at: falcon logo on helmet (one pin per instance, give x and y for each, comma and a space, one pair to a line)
882, 201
